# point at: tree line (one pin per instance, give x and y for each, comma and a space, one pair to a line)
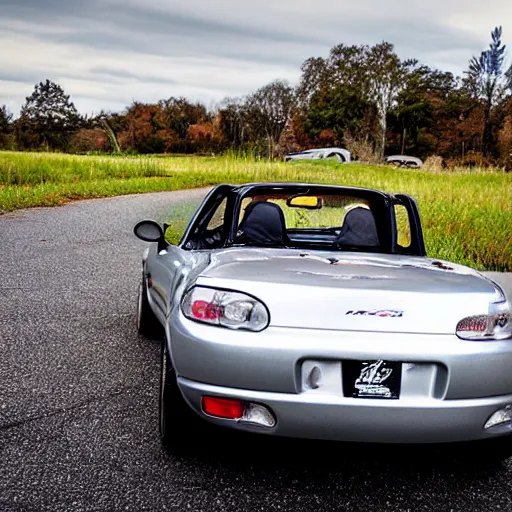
364, 98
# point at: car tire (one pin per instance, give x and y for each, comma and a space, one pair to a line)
148, 324
182, 431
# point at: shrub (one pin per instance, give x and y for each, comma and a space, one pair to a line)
471, 159
434, 163
89, 141
360, 148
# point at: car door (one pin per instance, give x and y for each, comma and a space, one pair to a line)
161, 269
308, 155
166, 265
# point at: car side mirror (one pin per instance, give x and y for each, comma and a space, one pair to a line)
149, 231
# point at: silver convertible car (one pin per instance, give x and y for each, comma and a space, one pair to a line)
339, 154
312, 311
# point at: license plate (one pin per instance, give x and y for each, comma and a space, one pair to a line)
372, 379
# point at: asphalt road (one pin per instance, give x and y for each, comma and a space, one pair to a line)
78, 396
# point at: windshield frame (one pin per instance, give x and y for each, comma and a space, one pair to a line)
379, 204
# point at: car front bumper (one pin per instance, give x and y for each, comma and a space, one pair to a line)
449, 387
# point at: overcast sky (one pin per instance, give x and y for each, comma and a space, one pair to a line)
108, 53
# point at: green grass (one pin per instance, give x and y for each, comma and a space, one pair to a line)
467, 215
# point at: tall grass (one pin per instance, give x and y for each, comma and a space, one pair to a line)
466, 214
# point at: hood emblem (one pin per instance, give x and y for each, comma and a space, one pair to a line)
392, 313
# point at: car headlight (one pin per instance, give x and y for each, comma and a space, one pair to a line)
234, 310
496, 325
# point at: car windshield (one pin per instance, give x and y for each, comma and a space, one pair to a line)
331, 221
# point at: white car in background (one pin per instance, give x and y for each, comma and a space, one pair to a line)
411, 162
340, 154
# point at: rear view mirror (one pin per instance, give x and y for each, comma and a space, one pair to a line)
308, 202
149, 231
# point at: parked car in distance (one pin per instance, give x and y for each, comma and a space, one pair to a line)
404, 161
339, 154
313, 311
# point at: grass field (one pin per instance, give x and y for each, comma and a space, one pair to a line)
467, 215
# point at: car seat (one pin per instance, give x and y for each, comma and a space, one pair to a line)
359, 229
263, 224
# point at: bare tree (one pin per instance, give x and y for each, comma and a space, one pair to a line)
234, 122
313, 78
270, 108
386, 79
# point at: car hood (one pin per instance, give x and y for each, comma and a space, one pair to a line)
353, 291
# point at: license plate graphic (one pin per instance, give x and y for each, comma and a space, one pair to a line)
372, 379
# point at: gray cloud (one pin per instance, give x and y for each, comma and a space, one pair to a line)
143, 24
121, 75
27, 76
112, 51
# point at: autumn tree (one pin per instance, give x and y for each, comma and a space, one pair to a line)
179, 113
288, 141
206, 137
48, 118
90, 140
144, 129
504, 136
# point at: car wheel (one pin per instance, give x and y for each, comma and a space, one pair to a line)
148, 324
182, 432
